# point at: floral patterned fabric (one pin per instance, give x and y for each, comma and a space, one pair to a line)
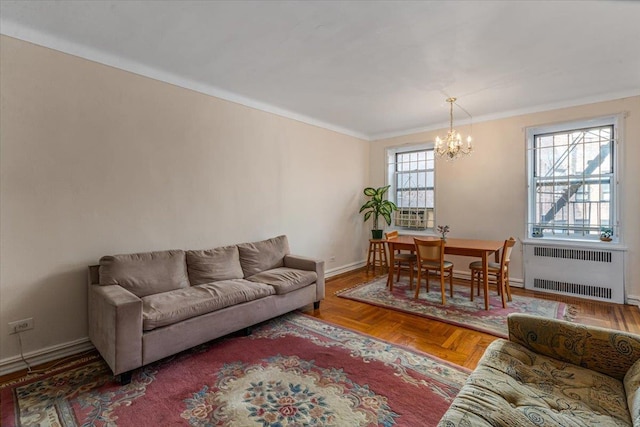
604, 350
632, 387
552, 373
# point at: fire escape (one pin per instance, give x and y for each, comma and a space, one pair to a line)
563, 198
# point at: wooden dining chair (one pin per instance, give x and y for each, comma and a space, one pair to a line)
499, 271
404, 261
431, 258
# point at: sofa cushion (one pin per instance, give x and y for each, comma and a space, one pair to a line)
145, 273
260, 256
170, 307
514, 386
285, 280
206, 266
632, 387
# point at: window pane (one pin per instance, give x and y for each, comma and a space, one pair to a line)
571, 181
412, 174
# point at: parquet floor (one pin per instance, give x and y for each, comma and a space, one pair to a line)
458, 345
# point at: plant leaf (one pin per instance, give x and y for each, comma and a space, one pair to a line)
387, 217
367, 215
369, 204
369, 191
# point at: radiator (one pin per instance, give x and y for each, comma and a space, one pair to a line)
596, 274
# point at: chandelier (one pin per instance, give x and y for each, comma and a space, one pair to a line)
452, 147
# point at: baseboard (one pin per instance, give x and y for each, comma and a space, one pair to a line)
633, 300
345, 268
49, 354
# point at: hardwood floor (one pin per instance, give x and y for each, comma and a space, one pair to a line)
458, 345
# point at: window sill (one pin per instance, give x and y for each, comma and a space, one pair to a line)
586, 244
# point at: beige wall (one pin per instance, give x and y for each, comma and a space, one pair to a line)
484, 195
96, 161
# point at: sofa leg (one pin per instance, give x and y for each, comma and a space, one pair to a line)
125, 378
316, 305
247, 331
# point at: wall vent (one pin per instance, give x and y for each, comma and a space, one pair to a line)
586, 273
579, 254
573, 288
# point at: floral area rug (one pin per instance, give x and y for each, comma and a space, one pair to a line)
292, 371
459, 310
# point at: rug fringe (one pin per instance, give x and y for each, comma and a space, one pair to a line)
571, 313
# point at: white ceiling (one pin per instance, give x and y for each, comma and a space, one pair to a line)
368, 69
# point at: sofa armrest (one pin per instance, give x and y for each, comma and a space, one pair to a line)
115, 326
309, 264
603, 350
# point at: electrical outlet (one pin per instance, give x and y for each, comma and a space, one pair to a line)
20, 325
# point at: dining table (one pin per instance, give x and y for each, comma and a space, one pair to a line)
453, 246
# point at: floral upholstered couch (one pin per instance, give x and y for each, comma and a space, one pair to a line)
552, 373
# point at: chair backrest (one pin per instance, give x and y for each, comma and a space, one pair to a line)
506, 251
430, 250
391, 234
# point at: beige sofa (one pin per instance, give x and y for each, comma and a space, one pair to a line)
552, 373
146, 306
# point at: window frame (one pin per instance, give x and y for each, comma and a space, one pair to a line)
390, 180
615, 185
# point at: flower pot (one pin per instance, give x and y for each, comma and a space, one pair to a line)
606, 239
376, 234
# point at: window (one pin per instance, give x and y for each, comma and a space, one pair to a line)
572, 179
411, 176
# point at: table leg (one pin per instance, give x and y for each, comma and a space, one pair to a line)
391, 267
485, 279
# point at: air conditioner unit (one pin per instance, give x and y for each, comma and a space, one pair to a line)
417, 218
596, 274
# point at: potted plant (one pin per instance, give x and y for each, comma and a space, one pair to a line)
443, 230
378, 207
606, 233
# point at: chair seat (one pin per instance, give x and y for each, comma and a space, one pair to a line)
436, 265
405, 257
492, 266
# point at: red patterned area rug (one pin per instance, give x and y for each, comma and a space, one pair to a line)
459, 310
292, 371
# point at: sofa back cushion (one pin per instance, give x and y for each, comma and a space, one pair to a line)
211, 265
145, 273
260, 256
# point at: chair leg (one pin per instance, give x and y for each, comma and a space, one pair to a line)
479, 273
451, 282
418, 284
410, 276
507, 284
500, 280
384, 262
427, 281
442, 289
473, 275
